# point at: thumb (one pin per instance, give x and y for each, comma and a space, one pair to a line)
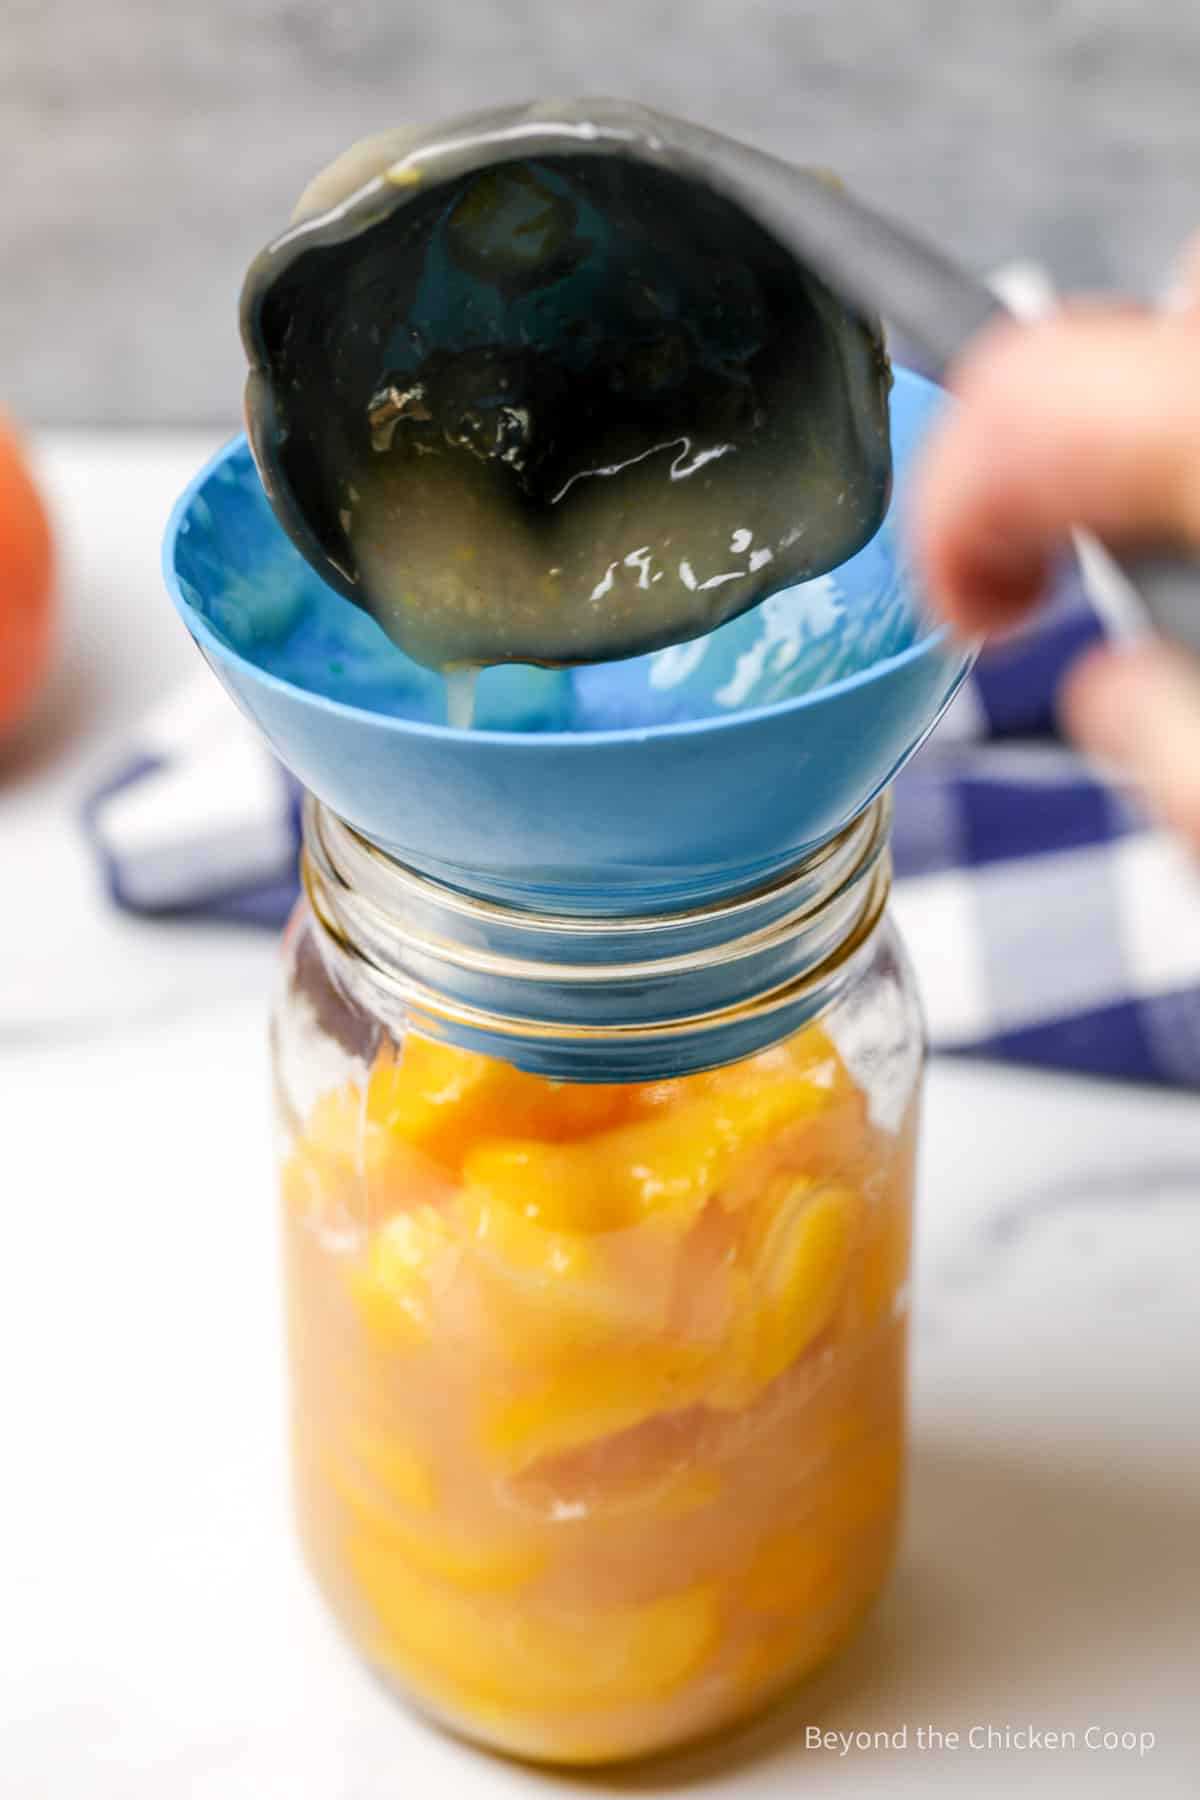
1140, 707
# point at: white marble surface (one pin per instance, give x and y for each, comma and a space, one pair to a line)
157, 1637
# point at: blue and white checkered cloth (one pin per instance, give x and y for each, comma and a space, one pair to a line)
1050, 920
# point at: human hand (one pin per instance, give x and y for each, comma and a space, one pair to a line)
1091, 419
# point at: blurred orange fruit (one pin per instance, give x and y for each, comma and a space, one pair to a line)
26, 581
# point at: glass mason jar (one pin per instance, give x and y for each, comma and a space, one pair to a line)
597, 1240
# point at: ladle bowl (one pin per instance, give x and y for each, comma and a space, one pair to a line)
530, 385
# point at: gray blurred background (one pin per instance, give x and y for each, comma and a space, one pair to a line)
149, 148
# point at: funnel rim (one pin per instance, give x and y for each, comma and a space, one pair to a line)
198, 627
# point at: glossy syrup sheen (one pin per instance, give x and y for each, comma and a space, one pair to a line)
240, 574
558, 409
598, 1390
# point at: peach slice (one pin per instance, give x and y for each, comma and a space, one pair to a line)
393, 1285
440, 1099
542, 1296
513, 1657
590, 1398
791, 1286
398, 1469
665, 1167
390, 1552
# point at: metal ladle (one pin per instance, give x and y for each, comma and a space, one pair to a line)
554, 470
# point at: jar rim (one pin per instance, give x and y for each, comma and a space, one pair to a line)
582, 998
356, 854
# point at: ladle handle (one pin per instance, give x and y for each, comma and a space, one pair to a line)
1164, 579
881, 266
1167, 583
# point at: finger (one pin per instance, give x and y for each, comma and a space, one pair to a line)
1140, 707
1089, 420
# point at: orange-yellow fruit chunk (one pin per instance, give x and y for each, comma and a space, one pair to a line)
592, 1398
512, 1657
390, 1551
541, 1295
439, 1099
554, 1258
810, 1052
665, 1167
791, 1287
399, 1471
346, 1171
395, 1283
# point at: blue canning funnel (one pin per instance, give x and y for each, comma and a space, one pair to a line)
650, 784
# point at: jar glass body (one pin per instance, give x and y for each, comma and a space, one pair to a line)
598, 1387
